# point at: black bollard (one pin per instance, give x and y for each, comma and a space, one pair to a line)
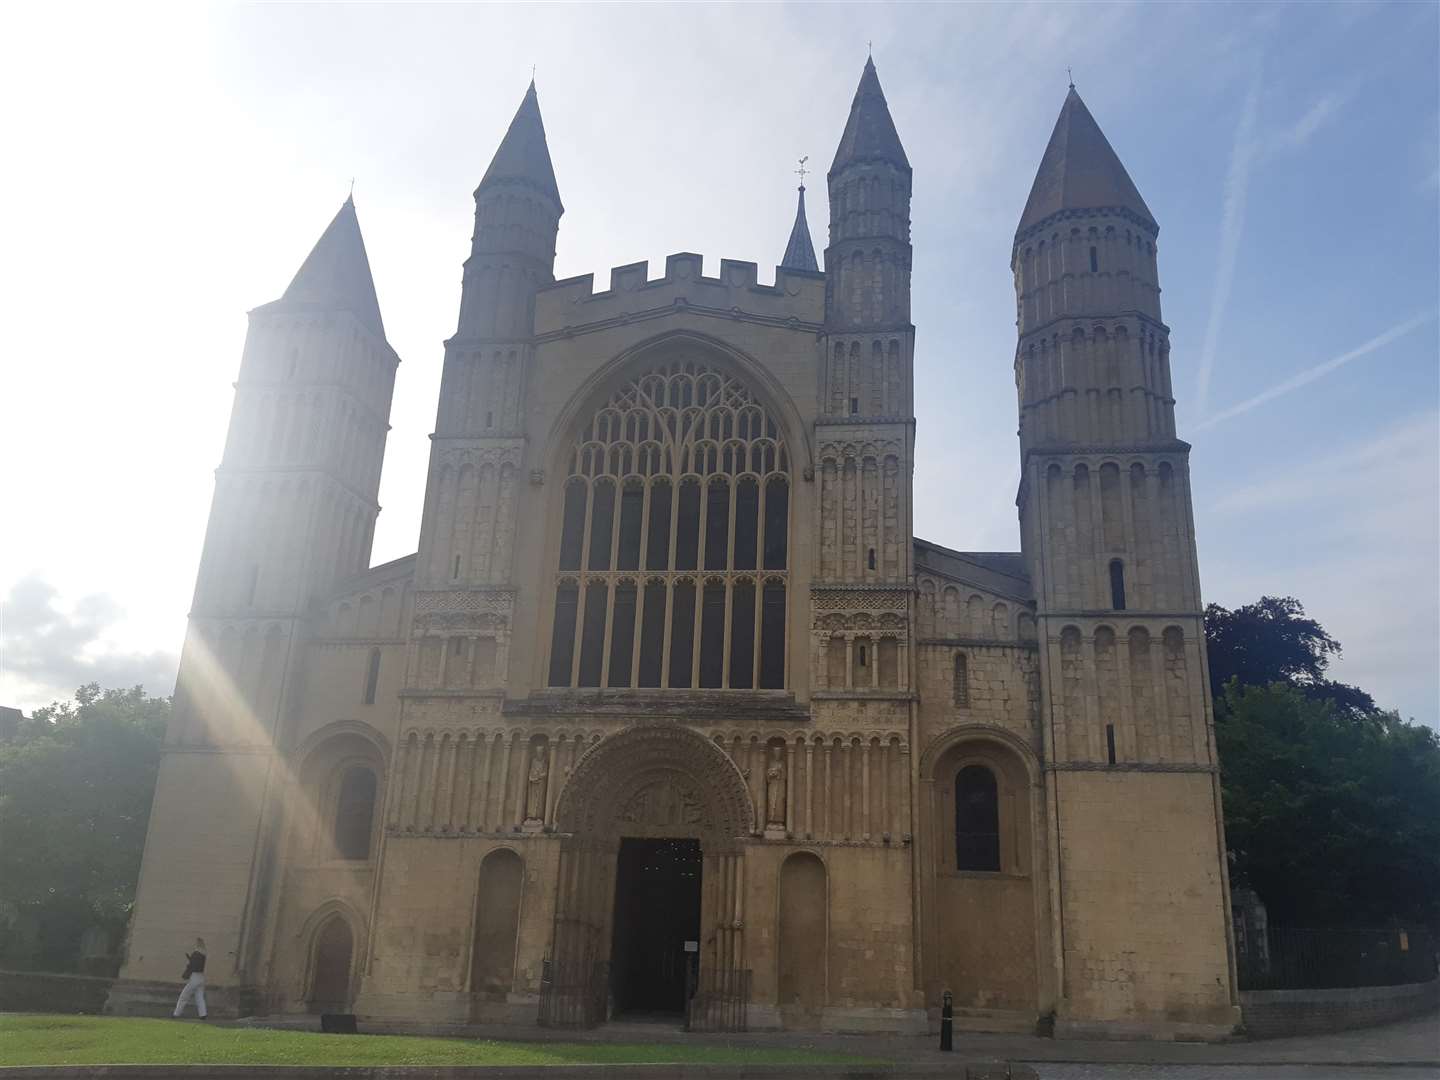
947, 1022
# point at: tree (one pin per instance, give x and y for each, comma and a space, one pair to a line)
76, 782
1332, 822
1272, 640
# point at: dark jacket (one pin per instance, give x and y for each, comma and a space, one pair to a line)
195, 964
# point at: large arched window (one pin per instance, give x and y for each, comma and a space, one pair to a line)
674, 539
355, 813
977, 819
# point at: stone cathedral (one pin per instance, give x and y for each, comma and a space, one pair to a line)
672, 714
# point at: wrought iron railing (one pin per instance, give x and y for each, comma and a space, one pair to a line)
718, 1000
1289, 958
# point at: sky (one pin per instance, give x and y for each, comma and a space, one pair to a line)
174, 164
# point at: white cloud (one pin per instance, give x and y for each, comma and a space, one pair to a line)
47, 650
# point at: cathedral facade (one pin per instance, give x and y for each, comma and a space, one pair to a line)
672, 713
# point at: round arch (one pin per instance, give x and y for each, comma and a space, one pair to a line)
656, 779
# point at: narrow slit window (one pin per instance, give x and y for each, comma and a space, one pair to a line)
872, 559
862, 655
854, 406
254, 584
1117, 585
1110, 741
961, 688
1094, 260
455, 573
372, 677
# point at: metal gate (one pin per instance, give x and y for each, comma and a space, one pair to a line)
574, 982
719, 1000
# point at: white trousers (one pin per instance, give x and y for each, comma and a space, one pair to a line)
194, 988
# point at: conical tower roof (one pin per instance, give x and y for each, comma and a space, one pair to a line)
524, 154
1080, 171
336, 273
800, 252
870, 133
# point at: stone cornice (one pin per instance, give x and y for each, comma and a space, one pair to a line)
1091, 319
1150, 229
291, 470
864, 421
1129, 767
979, 643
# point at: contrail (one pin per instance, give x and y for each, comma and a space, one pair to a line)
1232, 224
1309, 375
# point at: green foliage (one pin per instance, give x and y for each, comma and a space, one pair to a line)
76, 782
86, 1040
1272, 640
1333, 822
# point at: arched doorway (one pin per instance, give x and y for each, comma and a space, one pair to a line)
649, 904
330, 967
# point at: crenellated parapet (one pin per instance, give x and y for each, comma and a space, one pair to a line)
572, 306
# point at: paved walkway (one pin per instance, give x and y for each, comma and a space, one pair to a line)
1413, 1042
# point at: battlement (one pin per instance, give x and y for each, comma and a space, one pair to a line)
796, 296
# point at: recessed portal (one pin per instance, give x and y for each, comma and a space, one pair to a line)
657, 910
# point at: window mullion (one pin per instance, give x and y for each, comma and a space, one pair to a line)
725, 658
665, 644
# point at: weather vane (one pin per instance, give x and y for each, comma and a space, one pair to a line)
352, 187
802, 170
1071, 75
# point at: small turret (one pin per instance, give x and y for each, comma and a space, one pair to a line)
308, 427
336, 274
1092, 366
517, 217
868, 260
800, 252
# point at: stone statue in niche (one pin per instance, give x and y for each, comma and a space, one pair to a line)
775, 791
535, 791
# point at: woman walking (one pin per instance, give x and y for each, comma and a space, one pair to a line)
194, 981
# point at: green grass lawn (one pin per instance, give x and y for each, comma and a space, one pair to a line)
40, 1039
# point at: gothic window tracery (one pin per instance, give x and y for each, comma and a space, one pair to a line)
674, 539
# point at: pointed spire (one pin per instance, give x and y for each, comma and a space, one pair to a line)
1080, 171
336, 273
870, 132
800, 252
524, 155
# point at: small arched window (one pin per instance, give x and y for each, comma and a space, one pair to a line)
1117, 585
355, 813
977, 820
962, 680
372, 677
872, 559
